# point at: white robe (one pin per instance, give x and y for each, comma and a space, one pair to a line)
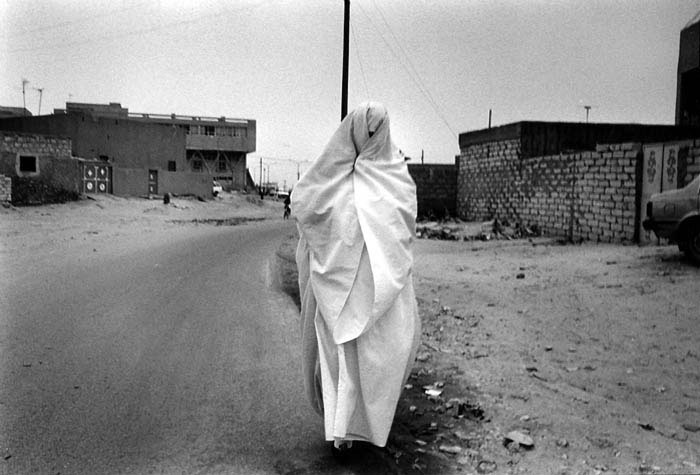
356, 207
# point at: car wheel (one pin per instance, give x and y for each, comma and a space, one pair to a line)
692, 249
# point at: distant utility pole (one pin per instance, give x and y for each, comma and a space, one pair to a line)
489, 118
24, 100
260, 177
421, 156
41, 92
297, 171
346, 50
588, 109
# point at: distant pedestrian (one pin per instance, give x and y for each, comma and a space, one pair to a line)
287, 209
355, 209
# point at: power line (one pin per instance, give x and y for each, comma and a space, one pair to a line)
359, 61
114, 36
417, 75
141, 31
72, 22
412, 73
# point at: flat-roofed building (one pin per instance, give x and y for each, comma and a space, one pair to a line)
151, 153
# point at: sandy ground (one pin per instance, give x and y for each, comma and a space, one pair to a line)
588, 354
589, 350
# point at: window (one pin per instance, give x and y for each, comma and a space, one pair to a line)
172, 166
222, 163
240, 132
208, 130
104, 158
27, 164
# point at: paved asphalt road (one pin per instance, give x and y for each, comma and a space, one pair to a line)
179, 357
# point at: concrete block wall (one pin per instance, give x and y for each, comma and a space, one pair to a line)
5, 189
486, 177
605, 193
436, 189
581, 195
544, 190
693, 162
34, 144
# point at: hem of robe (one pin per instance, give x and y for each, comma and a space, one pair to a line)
354, 437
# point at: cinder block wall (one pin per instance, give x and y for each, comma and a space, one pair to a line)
486, 180
436, 189
57, 177
604, 200
543, 189
5, 189
33, 144
582, 195
693, 162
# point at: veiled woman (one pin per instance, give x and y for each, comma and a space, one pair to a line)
355, 208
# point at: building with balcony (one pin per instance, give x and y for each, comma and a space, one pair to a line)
151, 153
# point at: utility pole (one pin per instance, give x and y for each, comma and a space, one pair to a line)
588, 109
346, 50
297, 171
421, 156
489, 118
260, 177
24, 100
41, 92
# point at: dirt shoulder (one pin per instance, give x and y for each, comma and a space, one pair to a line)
587, 352
590, 350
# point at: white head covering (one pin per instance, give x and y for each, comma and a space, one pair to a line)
357, 193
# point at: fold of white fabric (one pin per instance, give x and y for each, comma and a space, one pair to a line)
355, 209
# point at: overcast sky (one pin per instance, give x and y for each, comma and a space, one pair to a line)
438, 65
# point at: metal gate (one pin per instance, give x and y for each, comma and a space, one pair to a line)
152, 182
660, 173
97, 178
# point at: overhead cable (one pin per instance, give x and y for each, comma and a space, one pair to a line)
412, 73
123, 34
71, 22
359, 61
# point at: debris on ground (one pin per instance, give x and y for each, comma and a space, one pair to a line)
520, 439
457, 230
450, 449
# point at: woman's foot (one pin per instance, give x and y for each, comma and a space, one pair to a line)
342, 450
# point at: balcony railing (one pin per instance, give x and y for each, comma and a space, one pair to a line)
186, 118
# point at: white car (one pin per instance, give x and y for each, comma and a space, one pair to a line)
216, 188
